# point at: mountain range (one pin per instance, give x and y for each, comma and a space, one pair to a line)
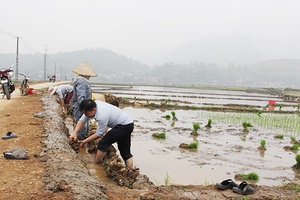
218, 60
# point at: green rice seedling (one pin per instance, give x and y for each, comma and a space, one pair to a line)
259, 113
174, 116
196, 127
167, 179
245, 198
297, 161
250, 176
173, 124
208, 125
246, 125
286, 123
279, 136
161, 135
263, 144
295, 147
167, 117
193, 145
293, 138
293, 186
193, 107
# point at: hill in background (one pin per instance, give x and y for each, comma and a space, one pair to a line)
115, 68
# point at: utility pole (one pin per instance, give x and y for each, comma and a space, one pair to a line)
17, 61
55, 70
45, 62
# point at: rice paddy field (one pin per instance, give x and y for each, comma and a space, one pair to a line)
225, 149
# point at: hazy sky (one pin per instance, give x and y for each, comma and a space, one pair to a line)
146, 29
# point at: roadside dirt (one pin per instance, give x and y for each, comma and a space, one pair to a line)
29, 179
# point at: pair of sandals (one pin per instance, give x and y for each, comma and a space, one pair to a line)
16, 153
243, 188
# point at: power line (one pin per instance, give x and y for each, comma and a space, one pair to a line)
7, 33
28, 46
7, 44
24, 42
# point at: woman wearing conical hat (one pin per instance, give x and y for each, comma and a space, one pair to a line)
82, 90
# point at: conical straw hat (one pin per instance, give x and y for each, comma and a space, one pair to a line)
85, 69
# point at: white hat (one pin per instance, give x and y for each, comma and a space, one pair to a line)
52, 89
85, 69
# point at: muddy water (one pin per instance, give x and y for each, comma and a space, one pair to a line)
224, 150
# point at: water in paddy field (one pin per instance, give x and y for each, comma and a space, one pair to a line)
224, 150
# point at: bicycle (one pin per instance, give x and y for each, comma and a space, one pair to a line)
24, 88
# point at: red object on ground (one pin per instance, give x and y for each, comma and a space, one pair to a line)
30, 91
272, 102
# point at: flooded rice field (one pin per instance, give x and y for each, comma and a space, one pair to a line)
224, 150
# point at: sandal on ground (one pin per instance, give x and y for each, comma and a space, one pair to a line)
9, 135
226, 184
243, 189
16, 153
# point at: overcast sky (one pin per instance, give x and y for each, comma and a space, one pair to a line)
145, 29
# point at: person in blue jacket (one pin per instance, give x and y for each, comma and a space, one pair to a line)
81, 91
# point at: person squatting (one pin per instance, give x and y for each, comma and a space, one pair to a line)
107, 116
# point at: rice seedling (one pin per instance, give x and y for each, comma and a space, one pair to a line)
295, 147
193, 107
259, 113
208, 125
173, 124
250, 176
293, 186
193, 145
161, 135
167, 179
293, 138
297, 165
196, 127
286, 123
167, 117
279, 136
174, 116
246, 125
263, 144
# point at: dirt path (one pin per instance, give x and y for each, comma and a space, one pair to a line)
54, 171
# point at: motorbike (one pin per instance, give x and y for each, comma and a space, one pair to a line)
6, 83
24, 88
